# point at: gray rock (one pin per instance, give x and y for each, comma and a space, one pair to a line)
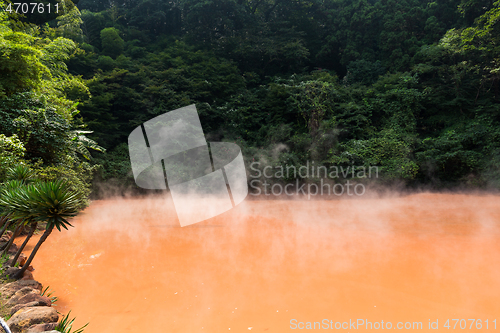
27, 275
40, 328
21, 261
31, 297
13, 249
18, 307
10, 289
27, 317
11, 271
6, 236
20, 294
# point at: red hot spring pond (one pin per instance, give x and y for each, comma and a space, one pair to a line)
127, 265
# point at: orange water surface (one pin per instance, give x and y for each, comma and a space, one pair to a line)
280, 265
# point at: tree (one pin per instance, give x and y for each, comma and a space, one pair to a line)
364, 72
314, 101
112, 43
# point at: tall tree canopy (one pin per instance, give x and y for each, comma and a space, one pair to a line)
410, 86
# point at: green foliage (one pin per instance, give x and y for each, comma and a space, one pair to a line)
11, 153
105, 63
448, 153
21, 65
81, 144
37, 119
412, 87
41, 129
112, 43
3, 259
165, 80
21, 173
51, 202
68, 24
116, 165
388, 152
65, 325
13, 201
76, 173
48, 293
364, 72
314, 101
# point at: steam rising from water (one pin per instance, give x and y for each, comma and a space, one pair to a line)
128, 266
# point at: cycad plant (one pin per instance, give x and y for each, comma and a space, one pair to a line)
5, 216
21, 173
15, 195
17, 177
50, 202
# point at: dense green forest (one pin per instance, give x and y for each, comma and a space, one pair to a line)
410, 86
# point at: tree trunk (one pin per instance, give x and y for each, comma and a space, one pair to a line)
11, 240
3, 220
30, 233
5, 226
42, 239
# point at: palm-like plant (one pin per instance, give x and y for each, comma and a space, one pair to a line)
6, 189
21, 173
18, 176
13, 192
51, 202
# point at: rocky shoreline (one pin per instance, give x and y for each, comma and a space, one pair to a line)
22, 300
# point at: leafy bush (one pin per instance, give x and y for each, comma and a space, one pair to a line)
105, 62
11, 153
76, 173
364, 72
392, 155
112, 43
